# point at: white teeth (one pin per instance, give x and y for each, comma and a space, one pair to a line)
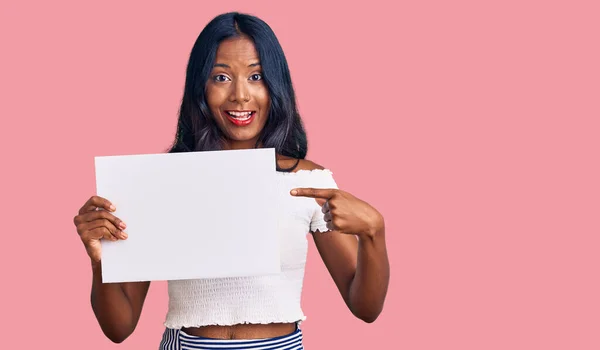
239, 114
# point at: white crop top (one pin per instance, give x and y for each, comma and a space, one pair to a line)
262, 299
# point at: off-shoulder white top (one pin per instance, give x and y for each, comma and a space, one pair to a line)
262, 299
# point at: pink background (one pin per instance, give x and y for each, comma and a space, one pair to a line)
472, 126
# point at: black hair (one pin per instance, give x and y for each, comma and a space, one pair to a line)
197, 129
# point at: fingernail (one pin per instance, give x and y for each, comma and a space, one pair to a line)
294, 192
112, 208
122, 225
124, 235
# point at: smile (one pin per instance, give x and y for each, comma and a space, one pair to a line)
240, 118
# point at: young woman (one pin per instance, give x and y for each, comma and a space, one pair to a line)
239, 95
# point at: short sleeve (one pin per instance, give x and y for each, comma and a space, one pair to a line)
322, 179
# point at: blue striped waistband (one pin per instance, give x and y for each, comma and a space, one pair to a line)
175, 339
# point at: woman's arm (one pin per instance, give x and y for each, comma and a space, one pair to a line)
359, 268
117, 306
354, 250
357, 258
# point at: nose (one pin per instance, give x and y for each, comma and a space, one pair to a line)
240, 93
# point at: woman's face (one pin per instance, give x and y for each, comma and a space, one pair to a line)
236, 93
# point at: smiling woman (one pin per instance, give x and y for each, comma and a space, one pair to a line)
238, 95
238, 65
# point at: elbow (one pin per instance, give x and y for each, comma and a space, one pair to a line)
367, 314
368, 317
117, 340
367, 311
117, 336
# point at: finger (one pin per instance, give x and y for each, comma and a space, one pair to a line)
324, 193
105, 223
102, 214
98, 234
327, 217
85, 229
97, 202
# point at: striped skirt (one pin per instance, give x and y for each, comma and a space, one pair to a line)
175, 339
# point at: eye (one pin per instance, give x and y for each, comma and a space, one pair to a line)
219, 78
256, 77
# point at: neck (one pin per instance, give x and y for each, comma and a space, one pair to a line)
233, 145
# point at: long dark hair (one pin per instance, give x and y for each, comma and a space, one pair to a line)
196, 128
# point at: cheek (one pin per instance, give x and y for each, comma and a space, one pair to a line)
263, 99
215, 98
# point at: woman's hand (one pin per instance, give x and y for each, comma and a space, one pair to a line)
95, 222
344, 212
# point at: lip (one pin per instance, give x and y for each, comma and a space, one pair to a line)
239, 122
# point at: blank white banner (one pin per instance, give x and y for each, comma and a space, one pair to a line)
191, 215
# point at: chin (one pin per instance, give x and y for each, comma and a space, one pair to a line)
243, 136
248, 140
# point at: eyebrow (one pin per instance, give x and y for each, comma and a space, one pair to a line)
223, 65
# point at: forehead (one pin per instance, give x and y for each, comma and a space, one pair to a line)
239, 50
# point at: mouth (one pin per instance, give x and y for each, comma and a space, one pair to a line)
240, 118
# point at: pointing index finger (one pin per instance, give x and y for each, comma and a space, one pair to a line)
324, 193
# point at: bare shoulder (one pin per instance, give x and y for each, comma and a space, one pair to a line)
306, 164
300, 164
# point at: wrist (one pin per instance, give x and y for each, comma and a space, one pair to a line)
372, 234
376, 227
96, 265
